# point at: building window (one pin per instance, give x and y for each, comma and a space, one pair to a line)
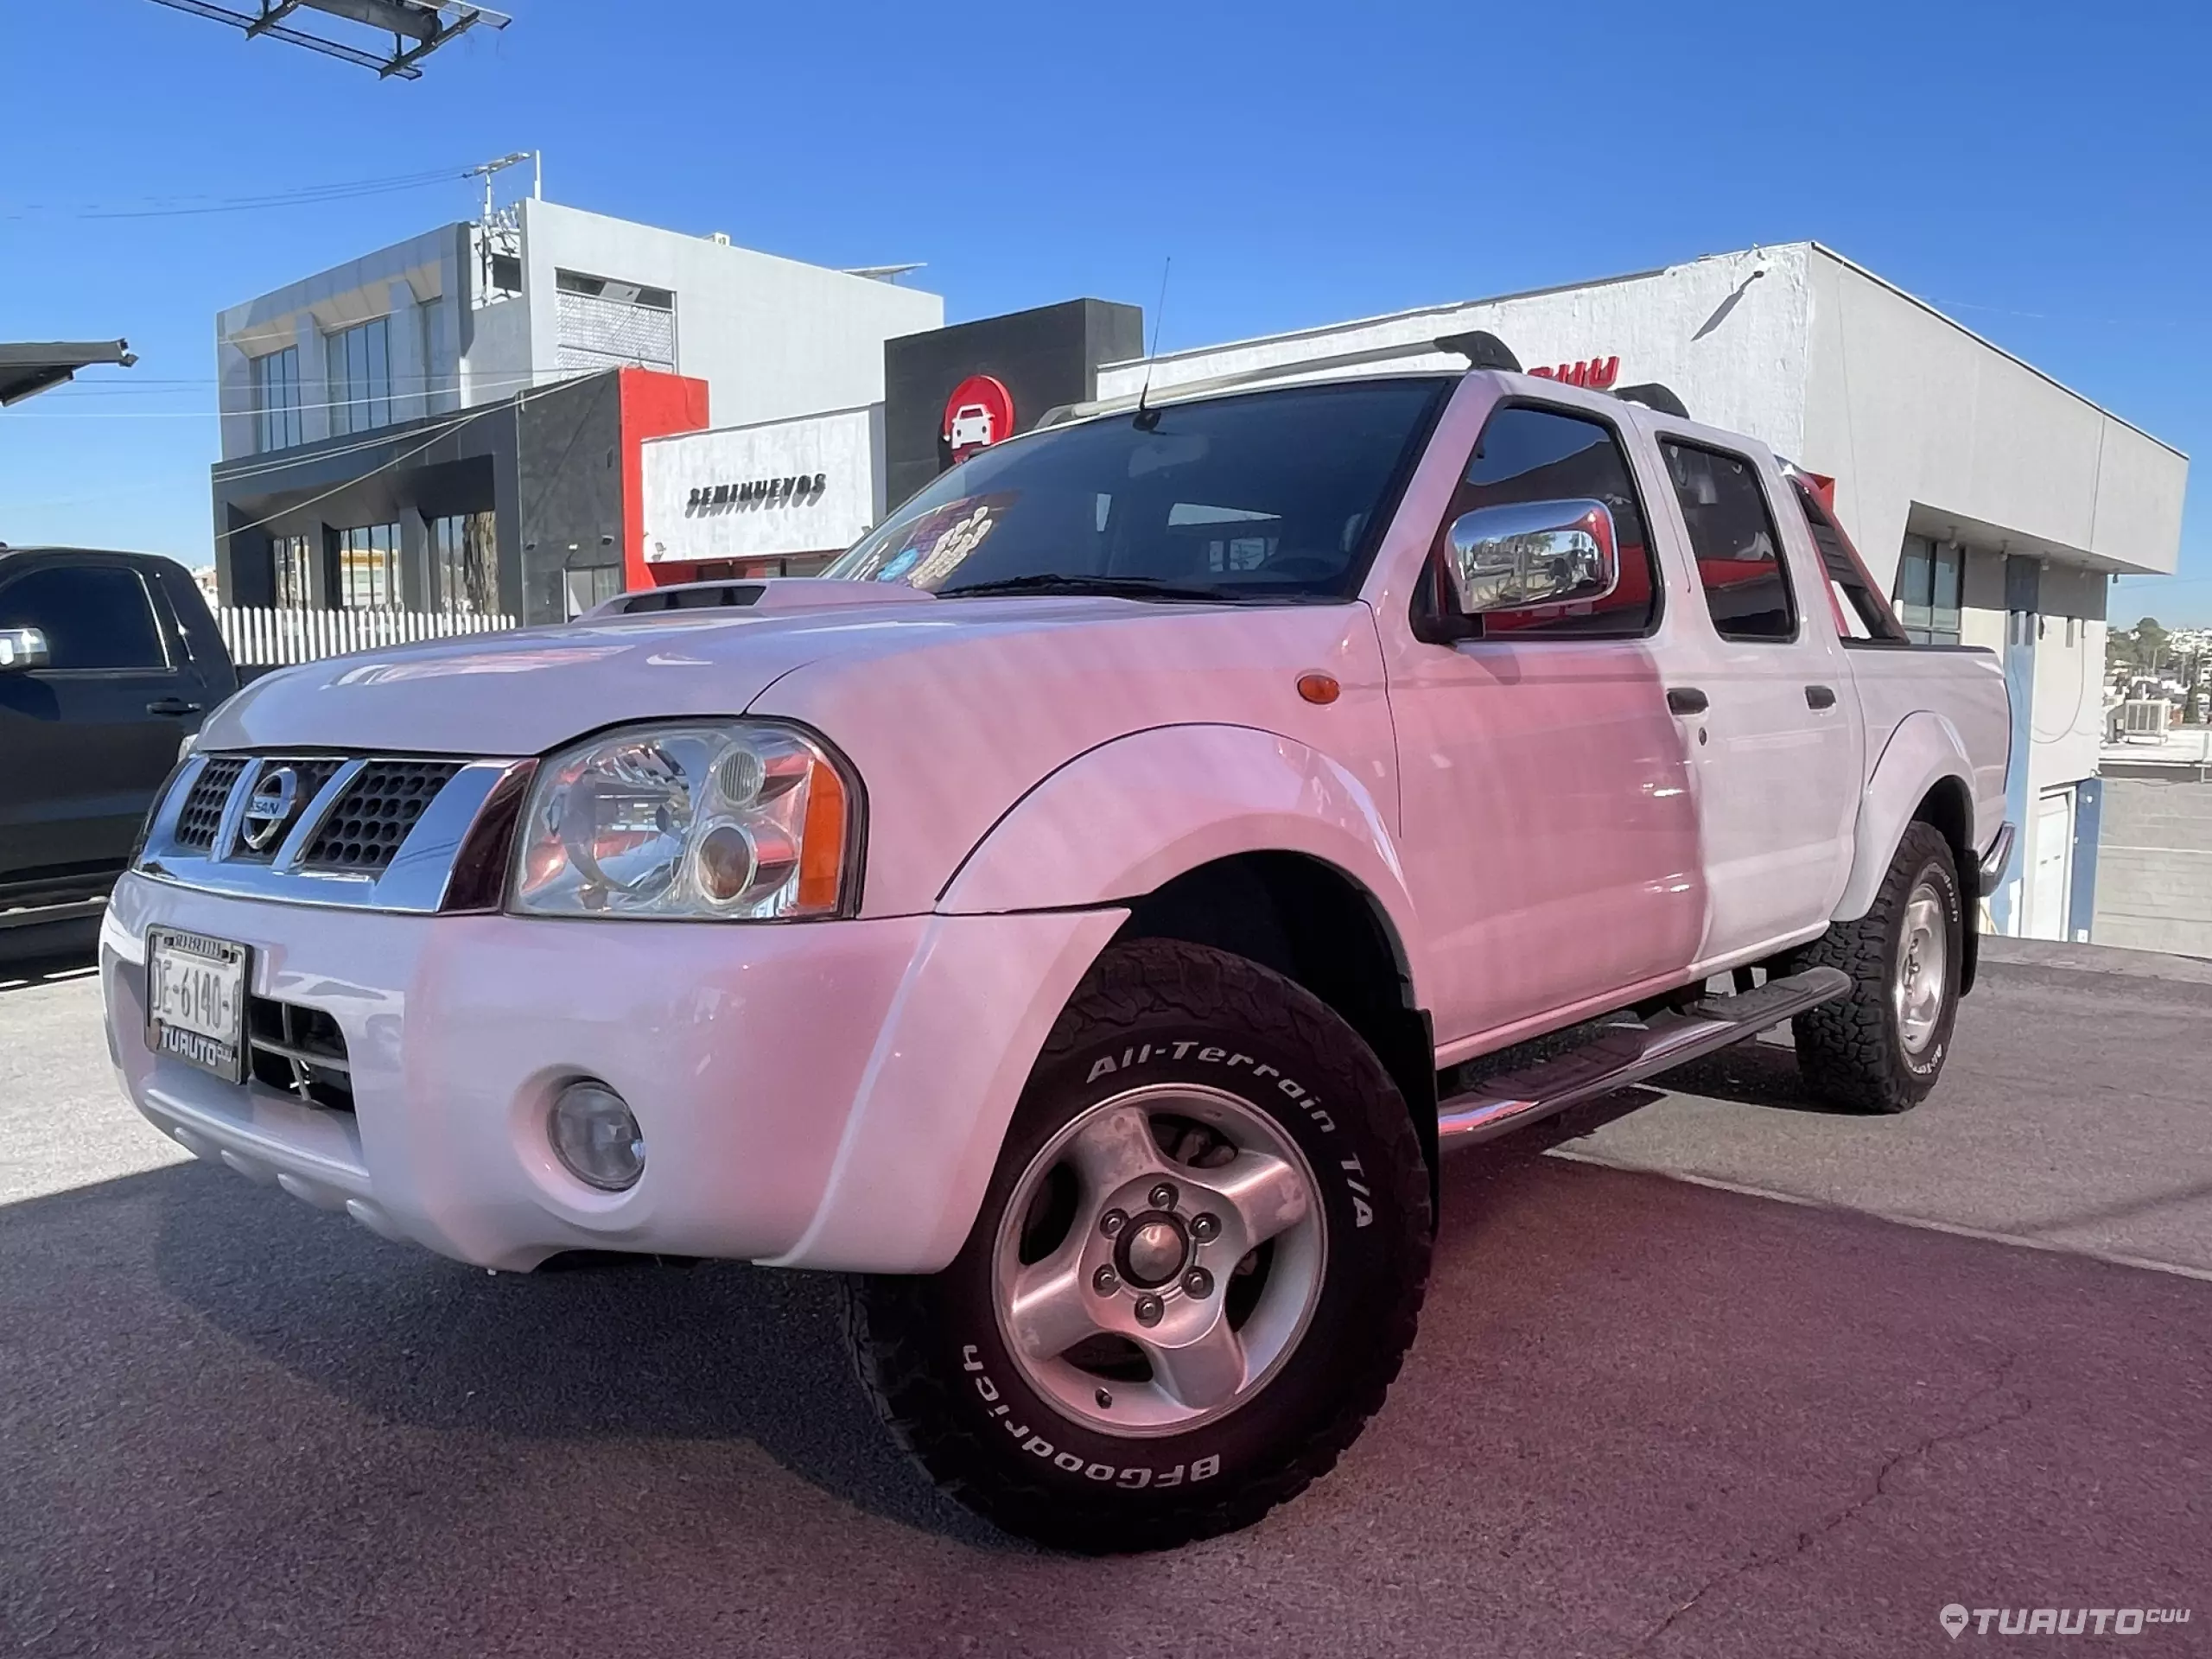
1732, 537
294, 557
277, 400
465, 562
1928, 591
358, 360
591, 586
599, 323
368, 567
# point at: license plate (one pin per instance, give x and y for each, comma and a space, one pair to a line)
195, 999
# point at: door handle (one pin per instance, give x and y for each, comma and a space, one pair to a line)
172, 706
1820, 697
1686, 700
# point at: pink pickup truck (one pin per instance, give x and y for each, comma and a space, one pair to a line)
1075, 918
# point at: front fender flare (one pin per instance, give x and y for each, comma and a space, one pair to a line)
1923, 750
1126, 817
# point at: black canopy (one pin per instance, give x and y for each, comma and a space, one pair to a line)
28, 370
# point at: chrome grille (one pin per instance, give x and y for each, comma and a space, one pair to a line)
203, 808
365, 832
363, 828
312, 776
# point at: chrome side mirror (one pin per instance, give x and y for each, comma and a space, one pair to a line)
21, 649
1532, 553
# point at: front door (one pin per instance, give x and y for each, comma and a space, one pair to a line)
1550, 839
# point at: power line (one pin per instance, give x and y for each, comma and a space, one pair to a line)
303, 196
440, 383
517, 401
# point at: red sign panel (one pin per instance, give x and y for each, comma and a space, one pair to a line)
1595, 372
979, 414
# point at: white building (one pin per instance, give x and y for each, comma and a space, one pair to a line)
1995, 502
351, 479
468, 313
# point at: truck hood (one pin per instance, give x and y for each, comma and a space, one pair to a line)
532, 689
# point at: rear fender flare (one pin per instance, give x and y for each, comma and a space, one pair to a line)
1923, 750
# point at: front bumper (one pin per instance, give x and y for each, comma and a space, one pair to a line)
825, 1093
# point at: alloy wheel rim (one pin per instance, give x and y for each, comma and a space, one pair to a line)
1921, 977
1159, 1261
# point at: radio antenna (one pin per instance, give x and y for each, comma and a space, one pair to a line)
1147, 418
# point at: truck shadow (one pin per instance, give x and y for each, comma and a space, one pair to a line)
1754, 1074
718, 1352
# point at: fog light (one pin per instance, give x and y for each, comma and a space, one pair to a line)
596, 1137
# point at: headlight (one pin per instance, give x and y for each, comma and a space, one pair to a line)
743, 820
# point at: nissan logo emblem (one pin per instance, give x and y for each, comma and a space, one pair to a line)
269, 809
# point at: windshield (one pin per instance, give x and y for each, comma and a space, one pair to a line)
1269, 495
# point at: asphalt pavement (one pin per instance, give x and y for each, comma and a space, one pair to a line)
1719, 1373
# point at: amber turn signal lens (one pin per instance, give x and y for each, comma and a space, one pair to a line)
821, 850
1318, 688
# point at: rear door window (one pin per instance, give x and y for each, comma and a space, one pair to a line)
95, 617
1733, 539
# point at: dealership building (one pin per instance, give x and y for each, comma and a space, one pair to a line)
705, 411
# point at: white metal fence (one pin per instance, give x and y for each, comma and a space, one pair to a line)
262, 638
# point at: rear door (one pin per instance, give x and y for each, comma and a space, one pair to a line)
1765, 697
88, 739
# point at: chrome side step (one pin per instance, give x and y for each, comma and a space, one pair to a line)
1624, 1054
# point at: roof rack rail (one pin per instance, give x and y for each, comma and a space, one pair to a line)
1481, 349
1652, 395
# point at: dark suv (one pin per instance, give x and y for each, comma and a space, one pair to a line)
108, 661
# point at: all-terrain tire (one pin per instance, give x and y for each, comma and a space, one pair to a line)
934, 1354
1854, 1052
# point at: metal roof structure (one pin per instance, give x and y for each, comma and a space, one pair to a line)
28, 370
417, 27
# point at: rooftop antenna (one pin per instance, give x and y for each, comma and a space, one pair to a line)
1146, 418
486, 169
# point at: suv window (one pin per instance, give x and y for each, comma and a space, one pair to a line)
1861, 613
93, 616
1528, 454
1733, 539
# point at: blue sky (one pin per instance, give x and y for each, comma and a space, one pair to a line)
2040, 171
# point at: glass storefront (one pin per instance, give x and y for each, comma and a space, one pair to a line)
367, 559
465, 562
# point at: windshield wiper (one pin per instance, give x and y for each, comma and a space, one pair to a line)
1048, 581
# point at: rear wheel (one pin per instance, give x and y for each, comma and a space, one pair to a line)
1198, 1263
1881, 1048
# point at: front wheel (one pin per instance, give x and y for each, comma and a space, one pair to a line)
1881, 1048
1199, 1261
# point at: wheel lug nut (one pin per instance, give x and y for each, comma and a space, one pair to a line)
1106, 1281
1149, 1309
1198, 1282
1163, 1196
1105, 1399
1206, 1229
1112, 1223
